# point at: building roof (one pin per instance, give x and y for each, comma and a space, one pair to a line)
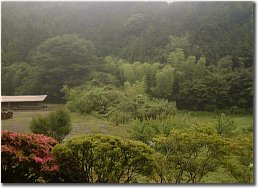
23, 98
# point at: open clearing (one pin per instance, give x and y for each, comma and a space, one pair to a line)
86, 124
81, 124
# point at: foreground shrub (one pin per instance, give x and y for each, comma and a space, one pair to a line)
240, 163
102, 159
26, 158
188, 156
56, 125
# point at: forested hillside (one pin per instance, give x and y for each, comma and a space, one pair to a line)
138, 92
204, 50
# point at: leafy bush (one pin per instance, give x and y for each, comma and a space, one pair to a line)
119, 106
237, 110
240, 162
119, 117
56, 125
224, 125
190, 155
26, 158
89, 99
102, 79
102, 159
154, 108
145, 130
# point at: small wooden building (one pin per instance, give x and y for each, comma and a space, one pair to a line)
23, 102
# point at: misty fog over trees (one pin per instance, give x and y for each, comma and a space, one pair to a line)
153, 32
154, 92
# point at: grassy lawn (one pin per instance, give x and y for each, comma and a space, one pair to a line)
21, 120
86, 124
81, 124
210, 118
92, 125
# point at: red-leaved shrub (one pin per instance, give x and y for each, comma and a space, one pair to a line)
27, 158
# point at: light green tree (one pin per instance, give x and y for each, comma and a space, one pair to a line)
103, 159
176, 57
190, 155
164, 82
127, 72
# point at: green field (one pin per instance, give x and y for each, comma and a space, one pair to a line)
87, 124
81, 124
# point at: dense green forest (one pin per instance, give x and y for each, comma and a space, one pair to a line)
145, 68
199, 48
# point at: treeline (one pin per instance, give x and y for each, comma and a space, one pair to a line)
199, 55
190, 82
133, 31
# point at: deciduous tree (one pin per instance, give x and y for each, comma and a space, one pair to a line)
103, 159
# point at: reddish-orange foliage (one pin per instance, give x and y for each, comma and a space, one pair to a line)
26, 157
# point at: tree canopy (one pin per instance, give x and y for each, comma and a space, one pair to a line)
208, 45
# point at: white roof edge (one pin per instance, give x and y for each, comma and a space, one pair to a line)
23, 98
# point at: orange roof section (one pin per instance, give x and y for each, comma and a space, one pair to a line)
23, 98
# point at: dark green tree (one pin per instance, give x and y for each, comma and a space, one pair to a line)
56, 124
61, 60
19, 79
